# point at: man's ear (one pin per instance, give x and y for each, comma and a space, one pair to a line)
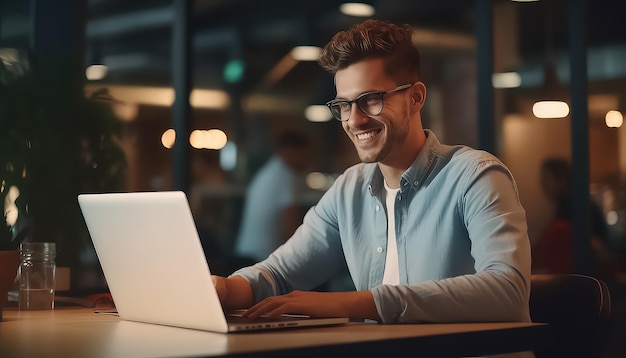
418, 96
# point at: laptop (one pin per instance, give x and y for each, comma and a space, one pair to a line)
152, 258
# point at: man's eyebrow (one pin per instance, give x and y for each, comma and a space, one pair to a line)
358, 95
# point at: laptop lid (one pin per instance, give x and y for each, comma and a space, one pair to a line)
154, 264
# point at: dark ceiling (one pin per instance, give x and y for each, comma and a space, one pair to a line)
134, 37
259, 32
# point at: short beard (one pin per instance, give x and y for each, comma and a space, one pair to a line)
386, 149
375, 157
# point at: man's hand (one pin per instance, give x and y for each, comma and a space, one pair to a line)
234, 292
357, 304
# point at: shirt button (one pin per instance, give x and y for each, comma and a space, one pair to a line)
377, 208
416, 182
379, 249
399, 198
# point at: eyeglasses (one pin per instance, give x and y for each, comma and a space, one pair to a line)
370, 103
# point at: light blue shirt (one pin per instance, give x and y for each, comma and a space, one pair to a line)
463, 247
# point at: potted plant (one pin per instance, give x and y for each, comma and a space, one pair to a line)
11, 156
54, 145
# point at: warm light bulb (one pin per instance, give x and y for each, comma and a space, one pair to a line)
317, 113
196, 139
357, 9
216, 139
306, 53
208, 98
168, 138
550, 109
614, 119
208, 139
96, 72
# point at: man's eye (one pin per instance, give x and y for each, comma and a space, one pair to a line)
345, 106
371, 100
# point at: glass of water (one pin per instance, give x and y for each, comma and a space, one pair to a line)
37, 276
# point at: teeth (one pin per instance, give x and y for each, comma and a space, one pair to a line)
366, 135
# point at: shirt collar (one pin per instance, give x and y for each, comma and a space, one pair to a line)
416, 173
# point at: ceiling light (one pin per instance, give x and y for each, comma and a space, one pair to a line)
306, 53
357, 9
614, 119
550, 109
506, 80
209, 98
552, 104
208, 139
317, 113
164, 96
96, 72
168, 138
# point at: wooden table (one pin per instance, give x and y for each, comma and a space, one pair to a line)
78, 332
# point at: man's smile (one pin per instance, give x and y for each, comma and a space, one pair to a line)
368, 134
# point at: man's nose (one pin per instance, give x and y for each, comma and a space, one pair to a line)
357, 116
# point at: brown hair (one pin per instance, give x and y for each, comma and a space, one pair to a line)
374, 39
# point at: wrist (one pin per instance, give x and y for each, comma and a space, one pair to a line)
240, 293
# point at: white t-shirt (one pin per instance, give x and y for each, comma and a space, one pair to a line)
392, 273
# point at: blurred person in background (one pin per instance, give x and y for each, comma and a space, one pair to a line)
554, 251
272, 208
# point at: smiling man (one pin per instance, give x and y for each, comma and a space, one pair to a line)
429, 232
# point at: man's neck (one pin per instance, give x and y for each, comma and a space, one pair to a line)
392, 175
392, 170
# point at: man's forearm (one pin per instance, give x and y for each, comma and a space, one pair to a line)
239, 293
363, 305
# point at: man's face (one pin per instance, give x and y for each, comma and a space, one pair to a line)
380, 137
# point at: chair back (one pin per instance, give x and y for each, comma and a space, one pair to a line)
577, 309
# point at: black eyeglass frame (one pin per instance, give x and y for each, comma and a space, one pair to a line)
382, 94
